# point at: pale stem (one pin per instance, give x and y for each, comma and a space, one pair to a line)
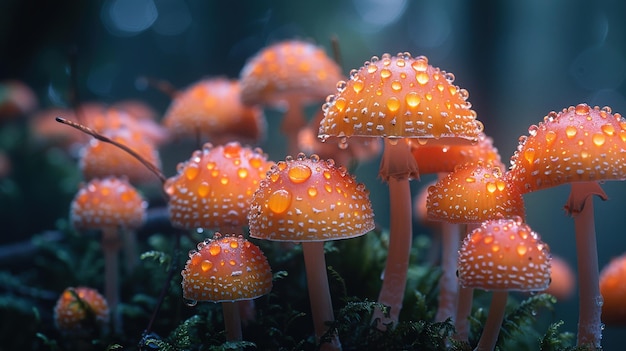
232, 321
319, 292
398, 166
580, 206
465, 301
130, 249
293, 121
495, 317
448, 285
111, 244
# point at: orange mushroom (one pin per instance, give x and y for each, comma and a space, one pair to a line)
226, 269
502, 255
580, 145
289, 75
399, 97
211, 110
16, 99
309, 200
214, 188
81, 311
113, 206
562, 279
613, 290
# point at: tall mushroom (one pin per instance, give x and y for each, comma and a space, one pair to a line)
583, 146
289, 75
502, 255
311, 201
398, 97
113, 206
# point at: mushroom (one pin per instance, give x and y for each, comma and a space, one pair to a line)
309, 200
562, 279
502, 255
214, 188
398, 97
613, 290
113, 206
289, 75
16, 99
226, 269
580, 145
471, 194
81, 311
211, 110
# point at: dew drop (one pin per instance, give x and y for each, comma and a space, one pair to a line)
299, 173
203, 189
190, 302
532, 130
491, 187
550, 137
393, 104
279, 201
420, 64
357, 86
234, 244
242, 173
570, 131
422, 78
582, 109
232, 150
598, 139
385, 73
396, 85
191, 172
412, 99
521, 250
341, 86
312, 191
529, 155
608, 129
206, 265
372, 68
599, 300
214, 249
470, 180
340, 104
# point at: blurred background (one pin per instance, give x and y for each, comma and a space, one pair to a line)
518, 59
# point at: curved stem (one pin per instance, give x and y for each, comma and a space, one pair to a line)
448, 285
495, 317
464, 305
580, 206
319, 292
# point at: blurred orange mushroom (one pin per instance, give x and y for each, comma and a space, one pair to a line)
81, 311
289, 75
310, 201
397, 98
582, 146
562, 279
613, 290
211, 110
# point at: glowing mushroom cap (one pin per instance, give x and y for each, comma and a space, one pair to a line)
562, 279
80, 309
308, 199
579, 143
226, 268
107, 202
287, 71
400, 96
504, 254
212, 109
100, 159
613, 290
473, 193
436, 158
214, 188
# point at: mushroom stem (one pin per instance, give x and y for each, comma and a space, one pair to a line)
495, 317
448, 285
293, 121
319, 292
464, 303
111, 245
397, 167
232, 321
130, 250
580, 206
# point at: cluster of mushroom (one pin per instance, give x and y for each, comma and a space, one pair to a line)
425, 124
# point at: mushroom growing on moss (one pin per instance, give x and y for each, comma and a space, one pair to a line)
226, 269
311, 201
81, 311
582, 146
399, 98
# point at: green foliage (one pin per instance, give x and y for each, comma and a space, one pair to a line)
553, 340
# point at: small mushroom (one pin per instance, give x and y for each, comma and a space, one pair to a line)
226, 269
502, 255
309, 200
613, 290
81, 311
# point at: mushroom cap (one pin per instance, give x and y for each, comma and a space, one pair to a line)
420, 211
400, 96
212, 109
214, 187
76, 306
504, 254
16, 98
226, 268
308, 199
107, 202
613, 290
473, 193
286, 71
579, 143
437, 158
99, 159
